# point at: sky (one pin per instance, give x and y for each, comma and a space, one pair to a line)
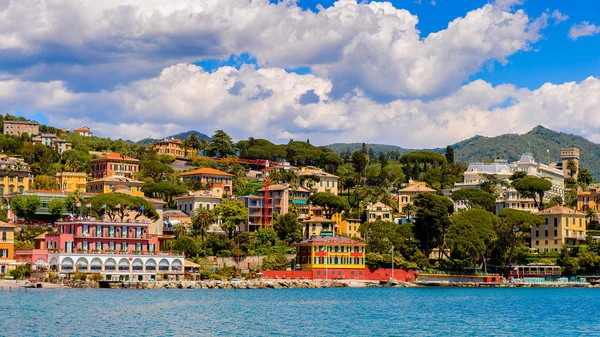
412, 73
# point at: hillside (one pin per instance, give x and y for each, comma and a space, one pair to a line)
182, 136
508, 146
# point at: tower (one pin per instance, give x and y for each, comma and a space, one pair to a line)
570, 162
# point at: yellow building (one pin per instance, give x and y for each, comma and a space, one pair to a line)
15, 175
379, 211
71, 181
327, 182
330, 252
563, 226
346, 227
7, 247
586, 199
17, 128
406, 195
317, 226
171, 147
110, 184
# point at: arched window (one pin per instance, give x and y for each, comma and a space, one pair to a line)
150, 265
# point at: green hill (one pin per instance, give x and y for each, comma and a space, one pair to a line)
182, 136
508, 146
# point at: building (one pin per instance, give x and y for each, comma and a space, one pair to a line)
570, 156
203, 199
379, 211
45, 197
299, 198
15, 175
346, 227
7, 247
317, 226
326, 182
17, 128
170, 147
476, 173
254, 203
115, 250
52, 140
588, 199
564, 226
113, 183
279, 200
113, 164
210, 176
510, 198
84, 131
332, 253
71, 181
406, 195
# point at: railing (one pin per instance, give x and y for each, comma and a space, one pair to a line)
116, 252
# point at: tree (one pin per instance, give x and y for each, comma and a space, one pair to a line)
534, 188
331, 203
155, 170
472, 232
44, 182
473, 197
221, 145
76, 161
232, 214
275, 261
265, 237
288, 228
202, 219
25, 206
56, 207
359, 162
165, 190
450, 154
514, 227
120, 205
187, 245
432, 220
572, 167
382, 235
408, 210
584, 177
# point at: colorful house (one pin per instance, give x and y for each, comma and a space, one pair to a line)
346, 227
379, 211
7, 247
71, 181
15, 175
84, 131
210, 176
170, 147
113, 164
336, 252
52, 140
327, 182
563, 226
17, 128
115, 183
406, 195
205, 199
317, 226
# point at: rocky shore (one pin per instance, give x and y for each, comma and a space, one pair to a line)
252, 284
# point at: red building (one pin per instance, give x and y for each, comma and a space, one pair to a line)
113, 164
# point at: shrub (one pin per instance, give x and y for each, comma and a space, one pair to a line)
21, 272
95, 277
275, 261
79, 276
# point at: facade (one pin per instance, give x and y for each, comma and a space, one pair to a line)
115, 250
328, 183
346, 227
205, 199
254, 203
52, 140
84, 131
406, 195
379, 211
588, 199
337, 252
317, 226
279, 202
564, 226
71, 181
170, 147
17, 128
114, 183
15, 175
113, 164
570, 155
299, 198
210, 176
510, 198
7, 247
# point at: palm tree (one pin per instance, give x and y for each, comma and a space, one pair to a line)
194, 142
202, 219
186, 147
409, 209
572, 167
180, 229
203, 144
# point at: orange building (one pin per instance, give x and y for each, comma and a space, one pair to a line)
17, 128
170, 147
210, 176
7, 247
84, 131
113, 164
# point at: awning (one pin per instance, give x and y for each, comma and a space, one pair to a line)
190, 264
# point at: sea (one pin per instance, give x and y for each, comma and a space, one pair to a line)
302, 312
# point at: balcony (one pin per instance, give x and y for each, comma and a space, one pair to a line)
576, 236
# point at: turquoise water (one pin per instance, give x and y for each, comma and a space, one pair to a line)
301, 312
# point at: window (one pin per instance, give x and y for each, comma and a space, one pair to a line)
546, 233
537, 242
555, 222
537, 233
3, 236
3, 252
555, 232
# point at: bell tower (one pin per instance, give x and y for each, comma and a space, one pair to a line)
570, 162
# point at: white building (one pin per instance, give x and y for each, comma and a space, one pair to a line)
206, 199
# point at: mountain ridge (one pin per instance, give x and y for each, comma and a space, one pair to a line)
181, 135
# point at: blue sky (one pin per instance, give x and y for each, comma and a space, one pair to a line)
347, 71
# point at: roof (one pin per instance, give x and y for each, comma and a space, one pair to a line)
189, 264
201, 194
306, 171
6, 225
174, 140
115, 156
176, 213
318, 219
331, 240
40, 237
559, 210
491, 168
416, 188
117, 179
275, 187
378, 204
21, 122
83, 128
526, 158
206, 171
302, 189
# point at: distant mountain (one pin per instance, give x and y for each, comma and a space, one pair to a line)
508, 146
182, 136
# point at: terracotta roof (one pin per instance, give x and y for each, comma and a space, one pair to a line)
276, 187
416, 188
175, 213
21, 122
378, 204
302, 189
206, 171
559, 210
40, 237
318, 219
117, 179
83, 128
114, 156
174, 140
331, 240
7, 225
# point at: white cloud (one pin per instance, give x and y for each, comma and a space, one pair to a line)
508, 4
372, 46
583, 29
267, 105
559, 17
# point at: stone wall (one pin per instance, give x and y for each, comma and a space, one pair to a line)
253, 262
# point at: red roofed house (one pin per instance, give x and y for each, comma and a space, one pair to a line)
84, 131
210, 176
113, 164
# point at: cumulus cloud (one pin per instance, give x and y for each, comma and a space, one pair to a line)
583, 29
559, 17
508, 4
373, 47
186, 97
